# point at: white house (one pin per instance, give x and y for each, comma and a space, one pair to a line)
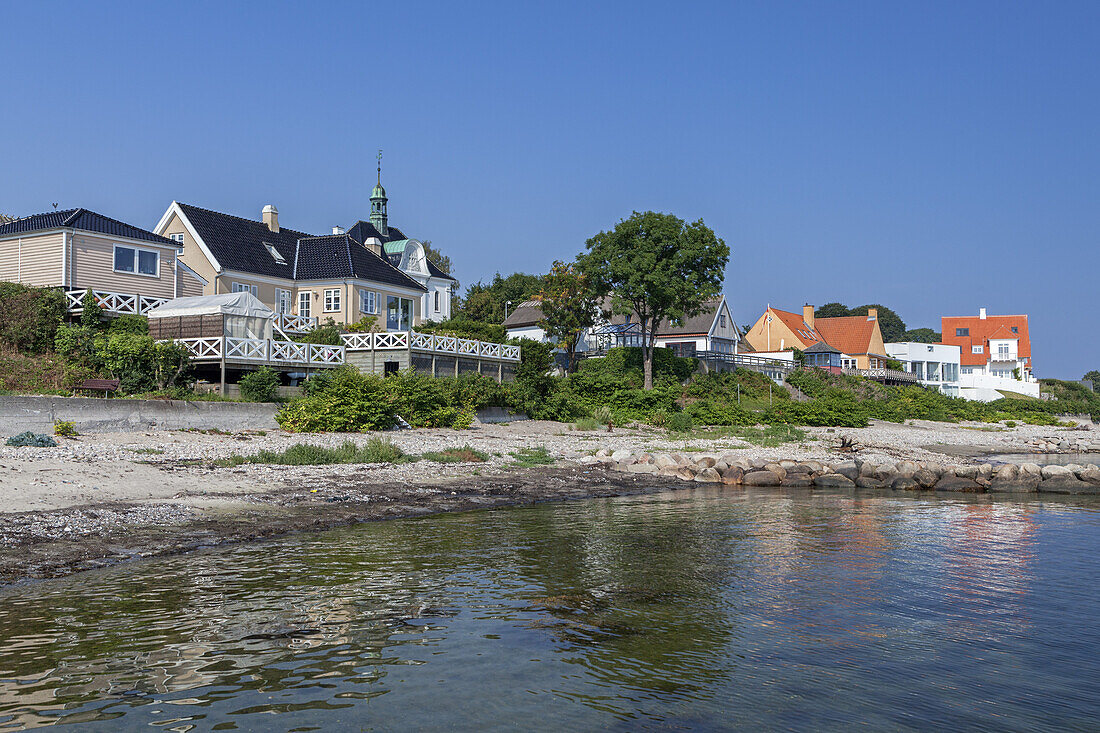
935, 365
996, 355
712, 330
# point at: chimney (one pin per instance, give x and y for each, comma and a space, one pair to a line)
808, 315
271, 218
872, 314
338, 230
981, 313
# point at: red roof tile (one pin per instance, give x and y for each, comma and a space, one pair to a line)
850, 334
980, 330
798, 326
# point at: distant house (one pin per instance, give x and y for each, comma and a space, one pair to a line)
995, 354
711, 330
130, 269
857, 338
935, 365
611, 331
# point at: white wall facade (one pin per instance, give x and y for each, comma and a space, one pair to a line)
935, 365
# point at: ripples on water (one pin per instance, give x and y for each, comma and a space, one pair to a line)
701, 609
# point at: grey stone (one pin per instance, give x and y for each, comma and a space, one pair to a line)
1025, 483
1052, 471
834, 481
959, 483
777, 470
602, 453
905, 483
733, 475
1007, 472
1090, 474
588, 460
870, 482
848, 469
1032, 468
620, 455
762, 477
926, 478
797, 481
906, 468
705, 462
708, 476
640, 468
664, 461
1068, 484
966, 471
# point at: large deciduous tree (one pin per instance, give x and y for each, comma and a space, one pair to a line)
656, 266
1094, 377
922, 335
832, 310
570, 306
889, 322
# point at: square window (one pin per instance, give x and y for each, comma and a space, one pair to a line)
332, 300
304, 303
147, 262
977, 349
124, 259
177, 237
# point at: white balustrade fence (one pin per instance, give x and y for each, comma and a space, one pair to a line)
126, 303
291, 323
262, 350
430, 342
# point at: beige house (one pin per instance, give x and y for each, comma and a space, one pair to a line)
302, 277
130, 269
857, 339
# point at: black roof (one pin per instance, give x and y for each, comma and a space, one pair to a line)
84, 220
241, 244
339, 256
820, 348
361, 231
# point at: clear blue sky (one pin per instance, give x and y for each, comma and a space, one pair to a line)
934, 157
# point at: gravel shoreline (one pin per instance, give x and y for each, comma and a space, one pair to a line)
106, 498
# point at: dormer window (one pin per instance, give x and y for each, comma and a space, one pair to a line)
274, 253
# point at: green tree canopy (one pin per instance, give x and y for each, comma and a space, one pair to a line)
657, 267
486, 302
570, 306
922, 335
832, 310
1094, 377
889, 322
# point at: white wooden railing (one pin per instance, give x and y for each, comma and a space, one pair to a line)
126, 303
262, 350
291, 323
430, 342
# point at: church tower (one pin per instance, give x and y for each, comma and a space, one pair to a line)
378, 200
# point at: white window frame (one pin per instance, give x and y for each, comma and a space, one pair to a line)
331, 300
977, 349
135, 250
721, 320
366, 299
438, 302
177, 237
283, 301
239, 287
305, 303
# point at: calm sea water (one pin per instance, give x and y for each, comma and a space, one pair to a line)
700, 609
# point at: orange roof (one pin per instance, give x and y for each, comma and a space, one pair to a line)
801, 330
980, 330
850, 334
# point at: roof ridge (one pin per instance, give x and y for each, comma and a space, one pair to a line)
250, 221
68, 220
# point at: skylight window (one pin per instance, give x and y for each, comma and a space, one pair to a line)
275, 253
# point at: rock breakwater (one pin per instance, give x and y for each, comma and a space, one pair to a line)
733, 470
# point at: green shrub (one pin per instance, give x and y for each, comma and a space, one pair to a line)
317, 383
377, 450
465, 328
261, 385
327, 333
464, 418
129, 324
659, 418
528, 457
680, 422
351, 402
603, 415
31, 440
29, 316
64, 429
587, 423
719, 412
465, 454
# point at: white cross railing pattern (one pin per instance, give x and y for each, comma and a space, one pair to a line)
289, 351
291, 323
202, 348
263, 350
247, 349
326, 354
124, 303
430, 342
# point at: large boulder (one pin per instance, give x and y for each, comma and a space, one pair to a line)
848, 469
663, 460
640, 468
1021, 483
797, 481
952, 482
906, 468
777, 470
1007, 472
1090, 473
905, 483
1068, 484
762, 477
705, 462
1052, 471
969, 472
814, 466
834, 481
733, 475
1031, 468
870, 482
620, 455
927, 478
708, 476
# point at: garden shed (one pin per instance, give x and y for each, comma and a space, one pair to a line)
236, 315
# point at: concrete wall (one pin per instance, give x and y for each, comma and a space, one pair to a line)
98, 415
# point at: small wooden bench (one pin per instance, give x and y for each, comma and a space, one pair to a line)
107, 385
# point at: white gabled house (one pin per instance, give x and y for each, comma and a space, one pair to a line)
712, 330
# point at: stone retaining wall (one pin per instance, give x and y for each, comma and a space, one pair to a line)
99, 415
732, 470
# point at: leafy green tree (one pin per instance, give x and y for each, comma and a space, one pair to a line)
479, 307
442, 261
832, 310
922, 335
570, 306
658, 267
487, 302
1094, 377
91, 312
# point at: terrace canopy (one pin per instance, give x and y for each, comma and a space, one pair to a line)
238, 315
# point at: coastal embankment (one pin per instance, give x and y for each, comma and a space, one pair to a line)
105, 498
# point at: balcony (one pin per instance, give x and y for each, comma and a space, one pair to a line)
113, 303
290, 323
430, 343
261, 352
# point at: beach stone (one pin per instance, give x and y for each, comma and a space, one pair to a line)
664, 461
1022, 483
906, 468
798, 468
834, 481
678, 458
870, 482
926, 478
588, 460
762, 477
969, 472
758, 462
641, 468
1007, 472
959, 483
788, 464
1052, 471
669, 471
1068, 484
686, 473
848, 469
797, 481
741, 463
730, 459
620, 455
1090, 474
814, 466
721, 466
708, 476
1032, 468
603, 453
705, 461
777, 470
733, 475
905, 483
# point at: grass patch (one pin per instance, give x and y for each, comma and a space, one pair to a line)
376, 450
147, 451
465, 454
587, 423
528, 457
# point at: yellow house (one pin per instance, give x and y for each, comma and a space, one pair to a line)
857, 338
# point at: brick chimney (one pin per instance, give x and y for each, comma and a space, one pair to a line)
271, 218
808, 315
872, 314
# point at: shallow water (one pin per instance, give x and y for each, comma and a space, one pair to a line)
1046, 459
700, 609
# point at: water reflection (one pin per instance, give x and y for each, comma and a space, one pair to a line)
699, 608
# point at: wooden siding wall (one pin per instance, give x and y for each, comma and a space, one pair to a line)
32, 260
92, 266
188, 285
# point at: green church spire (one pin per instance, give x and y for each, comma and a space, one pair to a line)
378, 201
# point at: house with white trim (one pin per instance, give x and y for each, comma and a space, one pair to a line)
711, 330
129, 268
935, 365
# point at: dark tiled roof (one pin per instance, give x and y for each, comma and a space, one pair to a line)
339, 256
361, 231
820, 348
238, 244
88, 221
